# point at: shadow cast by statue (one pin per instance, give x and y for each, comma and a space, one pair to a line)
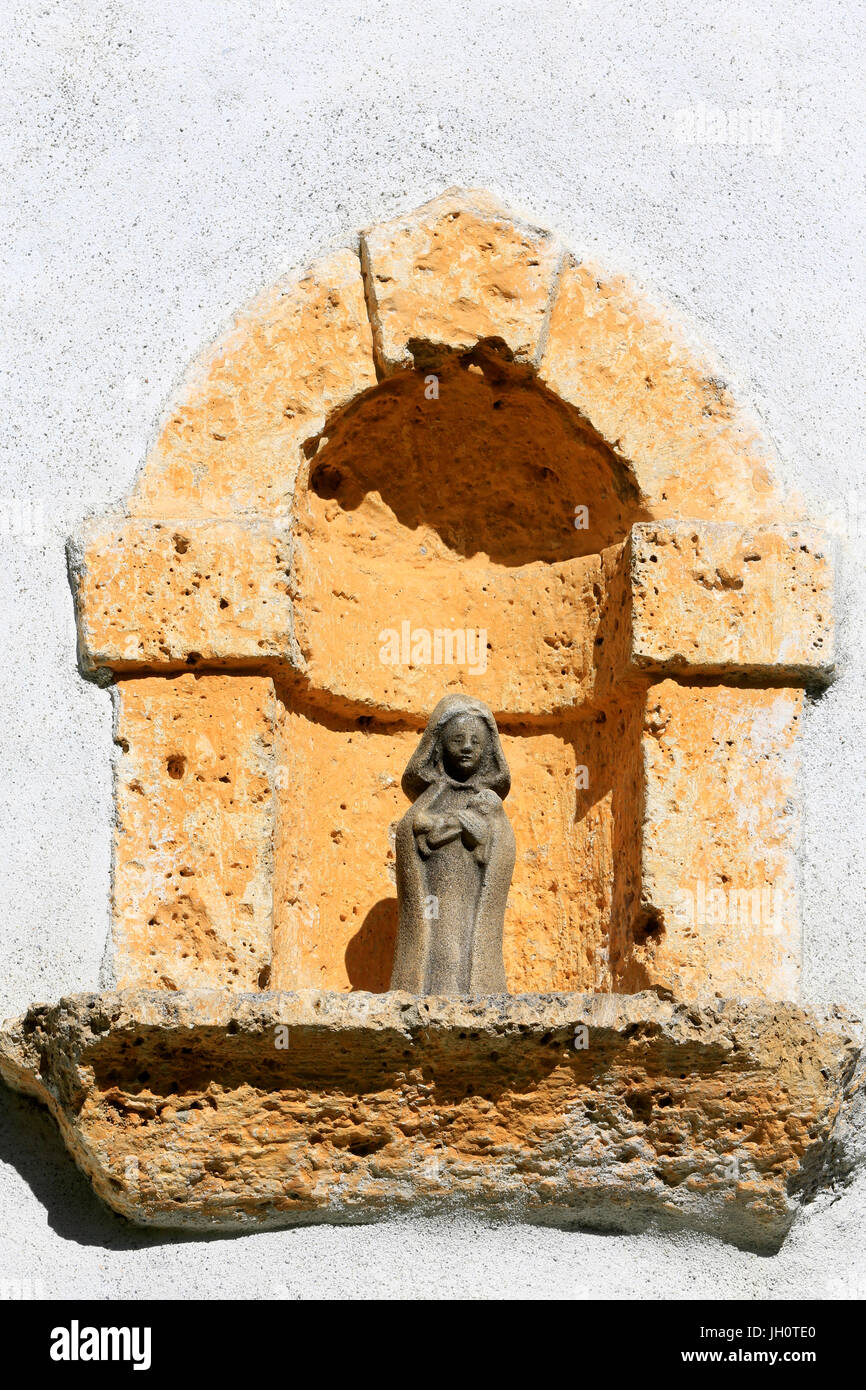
370, 953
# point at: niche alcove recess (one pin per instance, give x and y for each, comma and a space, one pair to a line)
457, 426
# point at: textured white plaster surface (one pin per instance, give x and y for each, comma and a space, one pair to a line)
163, 162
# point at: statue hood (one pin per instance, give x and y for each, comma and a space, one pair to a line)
425, 766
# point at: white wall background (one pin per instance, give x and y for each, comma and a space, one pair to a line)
161, 162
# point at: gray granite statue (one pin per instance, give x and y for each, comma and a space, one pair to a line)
455, 856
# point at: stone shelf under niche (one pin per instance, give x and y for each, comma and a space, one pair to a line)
206, 1110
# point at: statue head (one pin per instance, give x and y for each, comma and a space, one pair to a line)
464, 744
461, 742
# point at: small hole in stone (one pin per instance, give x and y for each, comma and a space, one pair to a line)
648, 927
326, 481
640, 1104
176, 766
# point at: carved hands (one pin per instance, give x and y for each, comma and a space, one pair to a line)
472, 823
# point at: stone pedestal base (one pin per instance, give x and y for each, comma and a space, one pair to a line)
209, 1111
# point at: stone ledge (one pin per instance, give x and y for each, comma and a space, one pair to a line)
184, 1112
715, 599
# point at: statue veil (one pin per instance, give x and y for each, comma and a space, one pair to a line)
425, 766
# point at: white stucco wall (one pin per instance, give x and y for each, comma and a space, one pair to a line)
161, 163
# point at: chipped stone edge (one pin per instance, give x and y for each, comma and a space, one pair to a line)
828, 1167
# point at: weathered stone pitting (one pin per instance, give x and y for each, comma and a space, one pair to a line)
235, 435
725, 600
193, 860
459, 270
656, 399
156, 594
185, 1113
719, 832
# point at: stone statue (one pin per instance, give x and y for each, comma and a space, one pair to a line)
455, 856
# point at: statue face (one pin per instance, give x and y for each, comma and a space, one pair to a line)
464, 743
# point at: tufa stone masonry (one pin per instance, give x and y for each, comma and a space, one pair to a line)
457, 462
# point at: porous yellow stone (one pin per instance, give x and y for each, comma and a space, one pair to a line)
717, 599
193, 858
150, 594
718, 838
207, 1111
459, 270
657, 401
235, 436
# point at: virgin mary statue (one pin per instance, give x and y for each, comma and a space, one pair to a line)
455, 856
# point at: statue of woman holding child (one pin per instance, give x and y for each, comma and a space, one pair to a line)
455, 856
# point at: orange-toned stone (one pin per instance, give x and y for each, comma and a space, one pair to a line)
575, 807
209, 1111
575, 810
393, 637
459, 270
154, 594
458, 515
193, 858
234, 439
370, 546
657, 400
718, 838
725, 600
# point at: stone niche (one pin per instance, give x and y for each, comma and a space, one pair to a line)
456, 434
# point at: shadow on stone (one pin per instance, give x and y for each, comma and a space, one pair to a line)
370, 953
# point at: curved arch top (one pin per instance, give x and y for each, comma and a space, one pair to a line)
458, 272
